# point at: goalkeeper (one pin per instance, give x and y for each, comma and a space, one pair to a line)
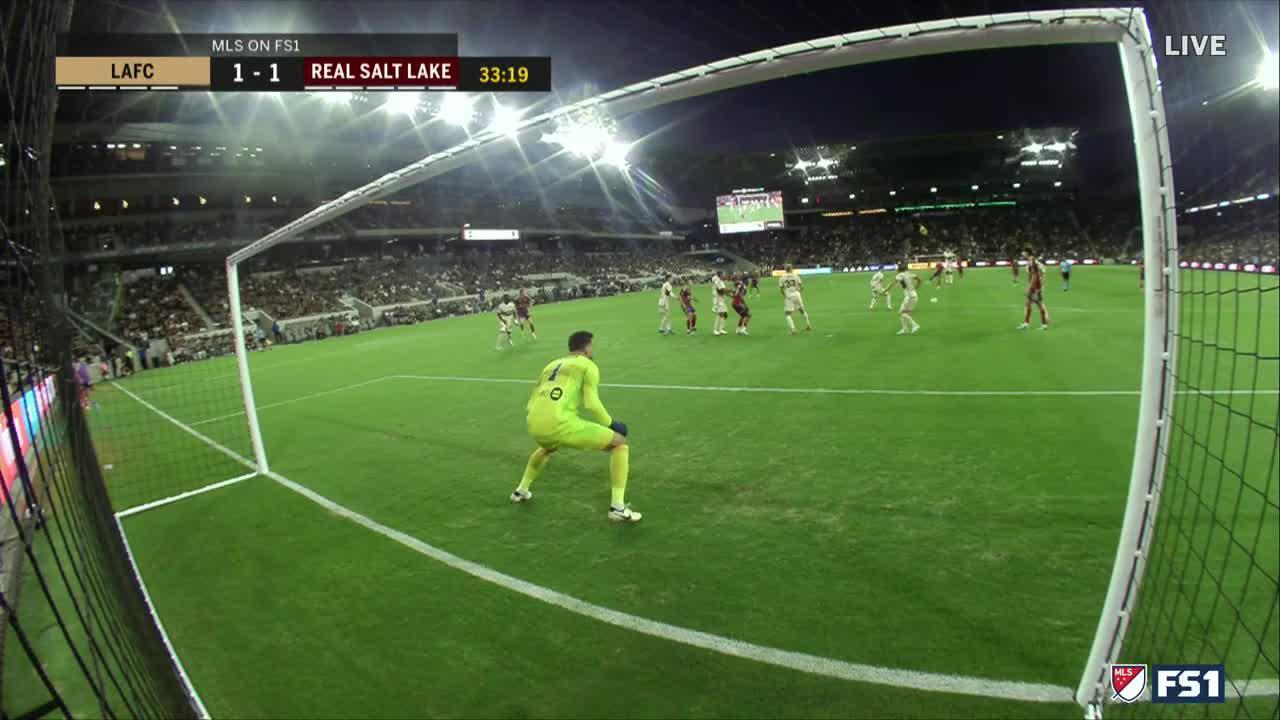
564, 385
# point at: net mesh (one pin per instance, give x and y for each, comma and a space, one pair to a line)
76, 631
1211, 592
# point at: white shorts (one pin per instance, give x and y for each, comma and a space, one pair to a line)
876, 291
718, 306
792, 303
664, 309
908, 304
504, 325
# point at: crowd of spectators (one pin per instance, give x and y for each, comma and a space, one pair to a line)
452, 278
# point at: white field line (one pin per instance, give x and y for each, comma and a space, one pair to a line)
151, 610
322, 393
183, 496
748, 389
828, 667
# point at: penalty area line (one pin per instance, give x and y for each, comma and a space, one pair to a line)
802, 662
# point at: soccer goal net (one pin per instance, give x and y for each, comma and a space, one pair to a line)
78, 635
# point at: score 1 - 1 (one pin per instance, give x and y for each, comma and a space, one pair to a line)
250, 74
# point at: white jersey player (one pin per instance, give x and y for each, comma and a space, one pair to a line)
718, 308
878, 290
664, 307
790, 285
908, 281
506, 312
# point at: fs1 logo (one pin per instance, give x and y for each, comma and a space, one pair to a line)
1195, 45
1188, 684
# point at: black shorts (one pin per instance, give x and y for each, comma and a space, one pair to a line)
742, 310
1035, 296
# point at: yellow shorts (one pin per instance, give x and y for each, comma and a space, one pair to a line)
580, 435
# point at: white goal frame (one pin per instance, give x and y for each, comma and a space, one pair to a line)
1125, 28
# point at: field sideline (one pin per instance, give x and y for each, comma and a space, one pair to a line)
945, 503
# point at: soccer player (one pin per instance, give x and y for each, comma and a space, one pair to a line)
1142, 274
1013, 265
506, 312
523, 301
564, 386
83, 382
909, 282
878, 289
1065, 266
740, 305
690, 314
718, 308
664, 307
790, 286
936, 278
949, 264
960, 267
755, 282
1035, 294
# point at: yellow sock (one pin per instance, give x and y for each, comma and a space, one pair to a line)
619, 463
537, 461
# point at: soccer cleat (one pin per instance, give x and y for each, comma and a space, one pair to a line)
744, 331
903, 331
915, 329
623, 514
1023, 326
519, 496
1044, 327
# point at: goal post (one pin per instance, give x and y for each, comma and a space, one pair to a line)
1124, 28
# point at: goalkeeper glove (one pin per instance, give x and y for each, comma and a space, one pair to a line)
618, 427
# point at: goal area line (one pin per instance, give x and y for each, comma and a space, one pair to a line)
812, 664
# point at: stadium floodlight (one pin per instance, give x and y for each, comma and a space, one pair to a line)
587, 141
973, 187
933, 189
97, 205
457, 109
405, 103
893, 192
203, 201
273, 199
176, 202
336, 97
247, 199
1057, 183
124, 204
1269, 71
1017, 185
615, 153
506, 119
1034, 148
804, 201
852, 195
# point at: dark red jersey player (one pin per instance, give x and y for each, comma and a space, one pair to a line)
1035, 294
523, 303
739, 303
690, 314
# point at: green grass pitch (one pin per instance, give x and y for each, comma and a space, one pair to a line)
731, 215
967, 534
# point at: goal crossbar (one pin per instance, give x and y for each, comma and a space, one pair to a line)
1124, 28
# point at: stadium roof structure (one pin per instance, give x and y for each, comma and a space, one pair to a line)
1058, 27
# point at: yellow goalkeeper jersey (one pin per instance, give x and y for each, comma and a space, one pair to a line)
565, 386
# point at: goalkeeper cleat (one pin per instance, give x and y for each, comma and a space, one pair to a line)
519, 496
623, 514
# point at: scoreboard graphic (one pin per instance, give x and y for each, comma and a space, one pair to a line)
288, 63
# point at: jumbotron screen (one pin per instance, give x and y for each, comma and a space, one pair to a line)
749, 212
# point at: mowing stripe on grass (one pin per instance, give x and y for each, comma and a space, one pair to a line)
803, 662
849, 391
717, 388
